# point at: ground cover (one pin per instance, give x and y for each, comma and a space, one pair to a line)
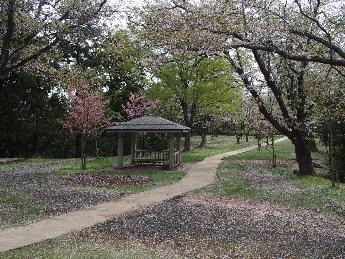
36, 188
252, 210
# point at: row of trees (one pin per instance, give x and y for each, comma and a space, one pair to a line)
57, 57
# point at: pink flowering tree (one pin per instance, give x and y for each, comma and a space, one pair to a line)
137, 106
87, 113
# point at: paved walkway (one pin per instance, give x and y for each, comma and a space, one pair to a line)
200, 175
10, 160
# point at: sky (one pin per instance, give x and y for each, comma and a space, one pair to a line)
124, 6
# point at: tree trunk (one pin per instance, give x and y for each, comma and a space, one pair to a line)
203, 137
188, 121
77, 146
187, 142
333, 171
97, 149
303, 154
83, 157
238, 137
274, 156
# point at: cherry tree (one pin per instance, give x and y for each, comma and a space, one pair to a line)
87, 113
271, 46
32, 29
137, 106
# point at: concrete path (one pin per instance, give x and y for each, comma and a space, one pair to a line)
200, 175
10, 160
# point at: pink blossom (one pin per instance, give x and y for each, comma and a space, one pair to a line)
137, 106
87, 112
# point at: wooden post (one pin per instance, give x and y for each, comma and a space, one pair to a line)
120, 149
133, 145
178, 144
171, 150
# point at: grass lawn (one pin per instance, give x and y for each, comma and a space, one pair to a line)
236, 178
284, 150
78, 246
106, 166
215, 146
23, 207
33, 160
278, 185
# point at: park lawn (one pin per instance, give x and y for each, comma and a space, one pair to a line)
107, 166
28, 161
85, 245
20, 206
279, 186
214, 146
284, 150
235, 179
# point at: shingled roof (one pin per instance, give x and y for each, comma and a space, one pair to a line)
147, 124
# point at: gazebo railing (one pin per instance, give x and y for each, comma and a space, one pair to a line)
156, 157
151, 156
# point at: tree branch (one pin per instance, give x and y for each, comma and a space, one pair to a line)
262, 108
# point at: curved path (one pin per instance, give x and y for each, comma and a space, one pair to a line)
200, 175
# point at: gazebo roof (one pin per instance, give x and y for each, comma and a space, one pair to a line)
148, 124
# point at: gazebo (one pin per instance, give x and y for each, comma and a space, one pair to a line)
170, 157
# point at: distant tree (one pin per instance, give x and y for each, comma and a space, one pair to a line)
87, 114
118, 65
328, 94
200, 86
31, 111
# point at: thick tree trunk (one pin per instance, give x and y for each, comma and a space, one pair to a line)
203, 137
187, 142
303, 154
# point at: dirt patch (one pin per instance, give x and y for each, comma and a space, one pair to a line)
108, 181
